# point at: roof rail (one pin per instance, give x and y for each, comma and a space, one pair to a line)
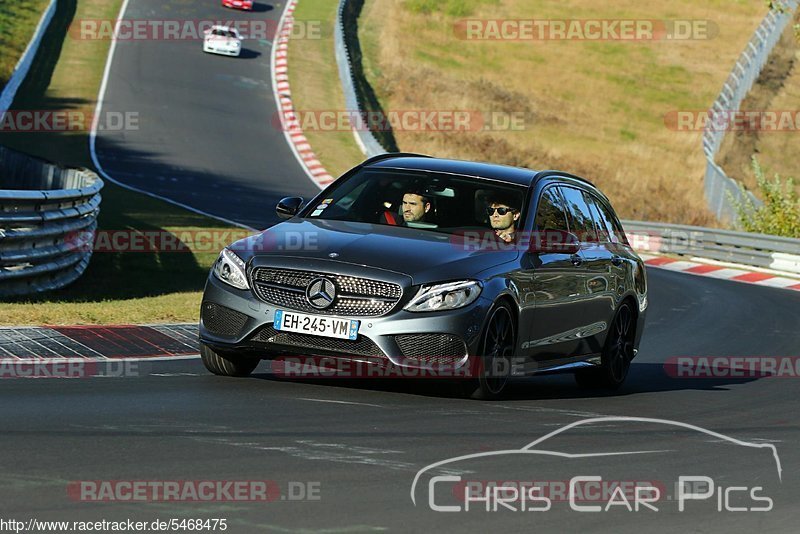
390, 155
545, 174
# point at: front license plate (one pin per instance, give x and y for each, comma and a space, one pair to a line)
315, 325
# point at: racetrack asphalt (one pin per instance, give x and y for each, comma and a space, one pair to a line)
206, 132
362, 443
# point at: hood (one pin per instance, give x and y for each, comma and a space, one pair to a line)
423, 255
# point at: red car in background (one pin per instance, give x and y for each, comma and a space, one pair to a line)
238, 4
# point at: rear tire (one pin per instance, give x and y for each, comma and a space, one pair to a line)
617, 354
227, 365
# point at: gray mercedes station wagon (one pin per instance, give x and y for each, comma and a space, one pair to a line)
479, 271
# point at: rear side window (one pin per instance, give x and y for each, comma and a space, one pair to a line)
600, 225
611, 222
551, 215
580, 216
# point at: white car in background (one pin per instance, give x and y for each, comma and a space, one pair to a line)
224, 40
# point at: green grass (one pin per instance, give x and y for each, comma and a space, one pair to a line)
314, 79
66, 75
18, 21
117, 287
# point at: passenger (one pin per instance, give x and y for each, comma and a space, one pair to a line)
502, 217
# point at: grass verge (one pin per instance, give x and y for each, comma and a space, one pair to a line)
18, 21
314, 79
118, 287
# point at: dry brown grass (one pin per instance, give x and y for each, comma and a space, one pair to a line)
593, 108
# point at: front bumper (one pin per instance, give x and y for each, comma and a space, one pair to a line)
211, 49
397, 338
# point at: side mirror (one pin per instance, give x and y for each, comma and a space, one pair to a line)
554, 242
288, 207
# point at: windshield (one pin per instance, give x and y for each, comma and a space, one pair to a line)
223, 33
422, 200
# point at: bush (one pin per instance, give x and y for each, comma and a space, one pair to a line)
780, 213
422, 6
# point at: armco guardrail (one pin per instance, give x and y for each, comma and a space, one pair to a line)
366, 140
48, 216
756, 250
719, 188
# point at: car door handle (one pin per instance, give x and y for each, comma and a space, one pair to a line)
576, 260
616, 260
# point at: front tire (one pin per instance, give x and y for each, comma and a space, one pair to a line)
495, 357
226, 365
617, 354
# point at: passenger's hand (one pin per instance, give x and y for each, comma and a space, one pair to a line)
507, 237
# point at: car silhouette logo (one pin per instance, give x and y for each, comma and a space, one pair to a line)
321, 293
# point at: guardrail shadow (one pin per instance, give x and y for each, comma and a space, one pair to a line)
32, 95
44, 64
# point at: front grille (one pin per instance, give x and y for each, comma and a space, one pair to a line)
355, 297
221, 320
363, 346
432, 348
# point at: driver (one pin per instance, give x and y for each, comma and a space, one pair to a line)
415, 206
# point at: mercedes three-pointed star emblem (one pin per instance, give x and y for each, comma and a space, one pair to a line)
321, 293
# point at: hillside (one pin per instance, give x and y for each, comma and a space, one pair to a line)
593, 107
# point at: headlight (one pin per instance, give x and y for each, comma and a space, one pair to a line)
230, 269
444, 296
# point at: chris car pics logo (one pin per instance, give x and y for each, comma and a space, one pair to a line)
444, 487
